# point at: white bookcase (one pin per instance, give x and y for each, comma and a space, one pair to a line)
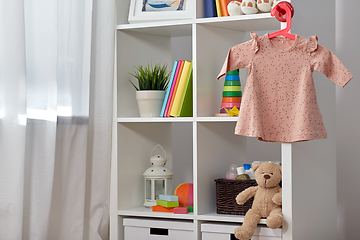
201, 148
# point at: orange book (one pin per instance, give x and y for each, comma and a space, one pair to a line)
176, 86
223, 7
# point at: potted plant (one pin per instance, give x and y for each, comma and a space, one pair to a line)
150, 92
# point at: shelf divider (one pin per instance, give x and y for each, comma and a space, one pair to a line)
286, 163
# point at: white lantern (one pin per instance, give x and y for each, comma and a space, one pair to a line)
158, 179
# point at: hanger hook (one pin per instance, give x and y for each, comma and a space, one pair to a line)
279, 11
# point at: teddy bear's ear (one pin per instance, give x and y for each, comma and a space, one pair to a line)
255, 166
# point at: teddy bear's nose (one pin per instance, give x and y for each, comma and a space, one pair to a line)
266, 176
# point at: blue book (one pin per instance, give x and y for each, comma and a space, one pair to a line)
210, 8
168, 90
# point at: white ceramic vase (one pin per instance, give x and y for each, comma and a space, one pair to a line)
150, 102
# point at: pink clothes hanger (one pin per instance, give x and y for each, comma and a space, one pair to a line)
283, 12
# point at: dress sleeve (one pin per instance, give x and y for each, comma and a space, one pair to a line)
240, 56
325, 61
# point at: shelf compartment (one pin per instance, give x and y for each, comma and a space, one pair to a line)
209, 63
218, 148
135, 143
142, 48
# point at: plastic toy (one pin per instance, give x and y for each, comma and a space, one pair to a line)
185, 193
168, 197
181, 210
162, 209
231, 94
166, 203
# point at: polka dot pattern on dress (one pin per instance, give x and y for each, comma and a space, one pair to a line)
279, 100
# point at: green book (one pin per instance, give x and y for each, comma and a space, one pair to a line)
186, 104
166, 203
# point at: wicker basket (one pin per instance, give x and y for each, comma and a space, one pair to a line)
226, 192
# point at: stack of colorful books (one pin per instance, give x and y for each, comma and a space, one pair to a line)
170, 203
166, 203
178, 97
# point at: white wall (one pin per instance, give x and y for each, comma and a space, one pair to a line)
348, 121
336, 23
314, 162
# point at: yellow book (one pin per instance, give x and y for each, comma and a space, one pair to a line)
218, 8
186, 103
180, 89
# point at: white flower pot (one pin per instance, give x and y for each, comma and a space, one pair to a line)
150, 102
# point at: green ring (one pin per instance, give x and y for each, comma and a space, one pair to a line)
232, 83
232, 89
232, 94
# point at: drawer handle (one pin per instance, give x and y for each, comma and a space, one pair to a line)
159, 231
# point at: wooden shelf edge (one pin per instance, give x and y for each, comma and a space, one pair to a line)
211, 217
191, 21
147, 212
179, 119
215, 217
158, 119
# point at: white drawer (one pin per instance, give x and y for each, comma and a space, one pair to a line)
223, 231
138, 229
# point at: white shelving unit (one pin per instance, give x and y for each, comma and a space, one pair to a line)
199, 148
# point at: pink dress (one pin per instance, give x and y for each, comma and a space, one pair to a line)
279, 99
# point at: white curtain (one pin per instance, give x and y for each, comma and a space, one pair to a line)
56, 80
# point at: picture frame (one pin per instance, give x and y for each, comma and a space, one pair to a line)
159, 10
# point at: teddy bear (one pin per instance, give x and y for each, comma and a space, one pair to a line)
267, 200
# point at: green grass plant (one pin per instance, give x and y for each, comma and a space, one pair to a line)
151, 77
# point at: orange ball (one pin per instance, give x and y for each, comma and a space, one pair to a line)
185, 194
